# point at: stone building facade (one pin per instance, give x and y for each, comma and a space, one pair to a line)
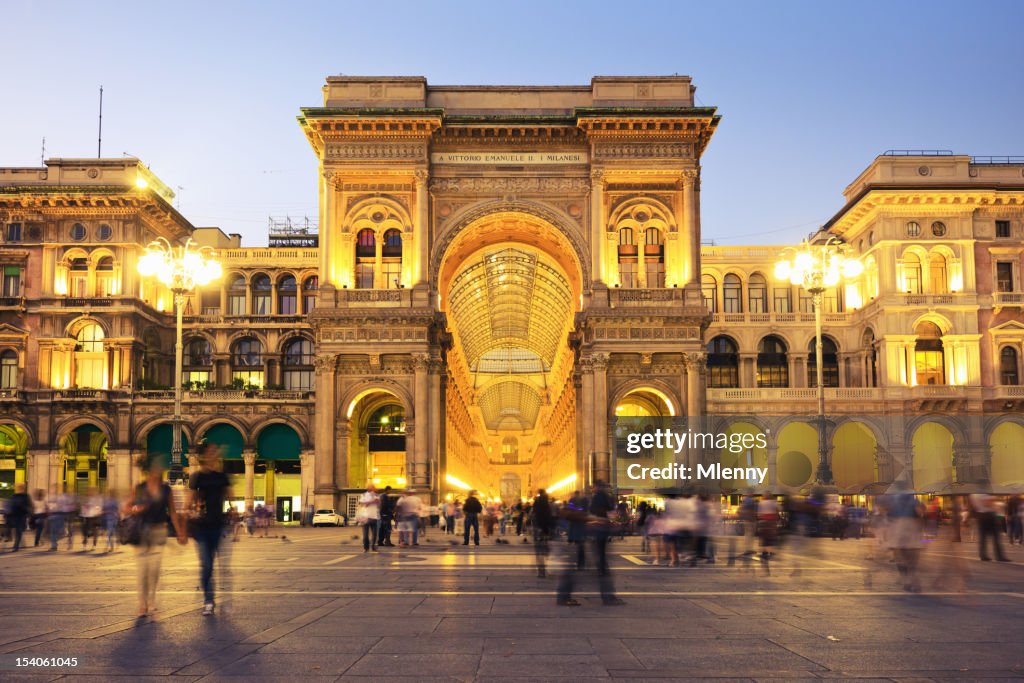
506, 279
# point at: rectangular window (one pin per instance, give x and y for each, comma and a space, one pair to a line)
731, 299
392, 273
209, 302
261, 304
364, 276
189, 377
308, 302
89, 370
1004, 276
298, 380
236, 304
655, 274
831, 301
1002, 228
14, 232
253, 377
783, 300
287, 305
105, 284
12, 281
806, 301
628, 275
9, 374
930, 367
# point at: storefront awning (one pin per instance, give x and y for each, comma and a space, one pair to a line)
278, 442
228, 438
159, 442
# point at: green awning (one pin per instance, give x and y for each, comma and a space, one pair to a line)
228, 438
278, 442
159, 442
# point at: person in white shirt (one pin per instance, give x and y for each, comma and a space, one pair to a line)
368, 515
680, 524
407, 510
92, 509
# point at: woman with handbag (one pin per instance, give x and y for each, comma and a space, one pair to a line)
149, 511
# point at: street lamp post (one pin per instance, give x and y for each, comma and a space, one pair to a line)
181, 269
817, 267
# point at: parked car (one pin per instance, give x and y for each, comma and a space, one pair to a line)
327, 518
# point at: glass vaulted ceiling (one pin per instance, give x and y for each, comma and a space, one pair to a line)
510, 309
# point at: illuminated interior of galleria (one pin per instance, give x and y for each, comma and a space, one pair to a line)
504, 281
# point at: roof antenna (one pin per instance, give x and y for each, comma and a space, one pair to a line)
99, 138
42, 153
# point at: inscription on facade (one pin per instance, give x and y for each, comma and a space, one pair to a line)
533, 158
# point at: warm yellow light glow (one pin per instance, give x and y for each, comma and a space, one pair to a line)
141, 183
852, 268
458, 483
375, 480
400, 481
568, 481
179, 268
783, 269
853, 298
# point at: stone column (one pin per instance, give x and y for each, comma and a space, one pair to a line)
249, 457
436, 403
748, 370
696, 384
421, 398
421, 231
35, 472
269, 493
597, 227
771, 478
119, 471
690, 242
327, 415
587, 415
328, 226
307, 461
55, 468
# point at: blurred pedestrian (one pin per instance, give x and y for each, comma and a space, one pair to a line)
38, 514
19, 509
111, 515
983, 506
91, 514
152, 506
599, 529
543, 522
903, 532
471, 510
386, 517
209, 488
575, 513
368, 515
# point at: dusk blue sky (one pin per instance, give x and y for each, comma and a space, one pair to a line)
809, 92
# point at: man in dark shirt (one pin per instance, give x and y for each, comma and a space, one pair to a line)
387, 514
543, 523
471, 510
209, 489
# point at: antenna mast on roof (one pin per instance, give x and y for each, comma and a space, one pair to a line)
99, 137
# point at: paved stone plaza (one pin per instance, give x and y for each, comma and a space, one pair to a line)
313, 607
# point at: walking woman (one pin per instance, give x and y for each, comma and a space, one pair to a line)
153, 505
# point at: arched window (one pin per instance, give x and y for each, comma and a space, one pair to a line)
197, 363
912, 273
105, 285
261, 289
627, 259
757, 293
9, 369
654, 258
389, 419
732, 301
391, 259
709, 290
772, 363
247, 362
829, 361
723, 364
309, 291
366, 256
90, 361
929, 359
1008, 369
938, 278
287, 295
870, 359
298, 365
236, 295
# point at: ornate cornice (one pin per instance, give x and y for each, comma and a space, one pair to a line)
643, 150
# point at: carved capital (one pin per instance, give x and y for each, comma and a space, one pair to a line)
600, 361
697, 362
420, 361
690, 177
250, 458
422, 175
325, 363
56, 458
